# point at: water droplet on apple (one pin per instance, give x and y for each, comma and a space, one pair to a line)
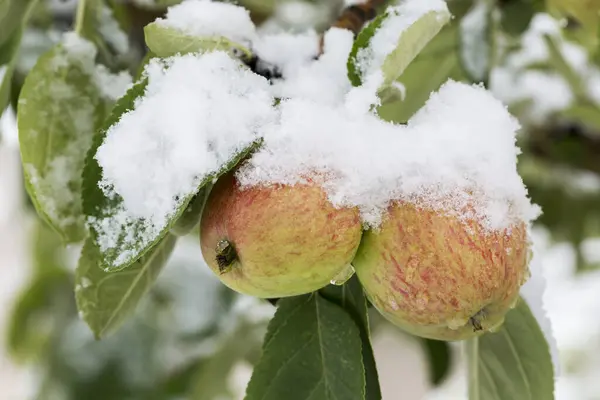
343, 276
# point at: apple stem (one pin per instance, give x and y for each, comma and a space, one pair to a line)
472, 352
226, 255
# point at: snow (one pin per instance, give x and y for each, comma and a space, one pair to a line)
286, 50
548, 92
111, 30
457, 153
111, 86
385, 39
533, 292
207, 18
324, 80
3, 69
198, 111
9, 135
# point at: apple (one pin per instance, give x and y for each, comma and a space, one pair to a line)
278, 240
440, 277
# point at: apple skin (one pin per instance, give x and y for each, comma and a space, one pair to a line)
438, 277
288, 240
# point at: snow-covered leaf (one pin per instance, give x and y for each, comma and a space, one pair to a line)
176, 138
166, 41
477, 41
391, 41
199, 26
106, 299
99, 25
433, 66
60, 108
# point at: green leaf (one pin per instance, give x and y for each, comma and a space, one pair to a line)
409, 44
477, 41
585, 12
312, 350
140, 70
35, 314
8, 59
432, 67
106, 299
439, 356
165, 41
12, 15
351, 297
10, 43
560, 64
360, 43
585, 114
60, 108
191, 216
97, 23
515, 362
517, 15
134, 238
156, 4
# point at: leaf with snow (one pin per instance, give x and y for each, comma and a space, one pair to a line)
192, 119
99, 25
60, 108
477, 41
391, 41
104, 299
429, 70
197, 26
165, 42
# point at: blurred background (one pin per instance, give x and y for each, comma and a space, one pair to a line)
192, 338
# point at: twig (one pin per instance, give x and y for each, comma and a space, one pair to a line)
354, 17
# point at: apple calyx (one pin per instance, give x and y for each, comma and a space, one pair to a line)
226, 256
476, 319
